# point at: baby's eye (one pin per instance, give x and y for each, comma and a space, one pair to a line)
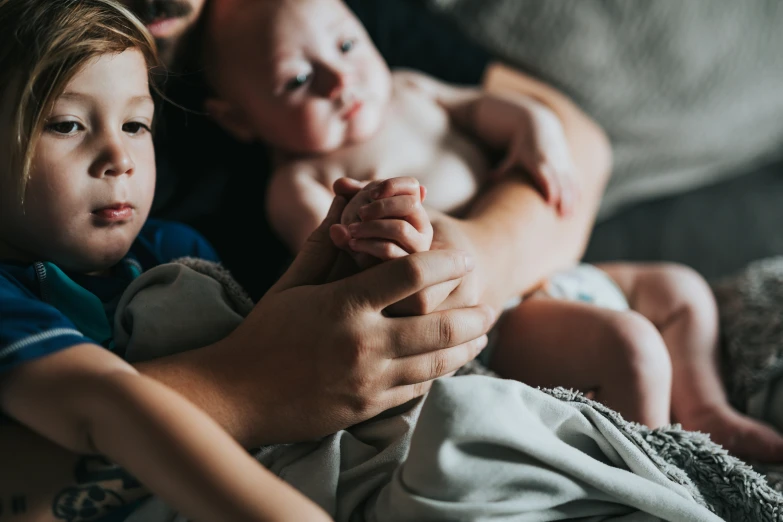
347, 45
297, 82
135, 127
64, 127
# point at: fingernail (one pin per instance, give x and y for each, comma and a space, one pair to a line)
353, 227
376, 193
470, 264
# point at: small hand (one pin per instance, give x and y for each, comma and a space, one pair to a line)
540, 148
384, 220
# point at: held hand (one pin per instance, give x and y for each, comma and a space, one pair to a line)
313, 358
540, 148
384, 220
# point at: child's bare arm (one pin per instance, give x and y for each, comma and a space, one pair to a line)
90, 401
527, 130
296, 203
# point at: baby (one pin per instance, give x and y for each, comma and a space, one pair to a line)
641, 337
76, 188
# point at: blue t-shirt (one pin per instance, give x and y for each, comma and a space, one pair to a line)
44, 310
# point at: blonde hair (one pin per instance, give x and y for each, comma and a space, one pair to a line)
43, 44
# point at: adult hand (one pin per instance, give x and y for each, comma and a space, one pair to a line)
313, 358
449, 234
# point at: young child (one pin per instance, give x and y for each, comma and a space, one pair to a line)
77, 184
316, 89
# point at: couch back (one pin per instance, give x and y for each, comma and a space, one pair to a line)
689, 92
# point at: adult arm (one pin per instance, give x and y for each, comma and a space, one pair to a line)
514, 236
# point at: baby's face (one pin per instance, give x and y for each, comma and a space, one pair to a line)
310, 80
93, 173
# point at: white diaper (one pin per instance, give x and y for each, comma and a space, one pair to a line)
585, 284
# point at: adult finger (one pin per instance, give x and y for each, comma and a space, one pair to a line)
432, 365
417, 335
378, 248
426, 301
385, 284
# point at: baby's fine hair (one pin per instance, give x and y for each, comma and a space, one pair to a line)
43, 44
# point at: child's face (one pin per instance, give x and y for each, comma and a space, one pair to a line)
93, 172
309, 80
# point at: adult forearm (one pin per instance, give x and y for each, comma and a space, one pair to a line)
521, 238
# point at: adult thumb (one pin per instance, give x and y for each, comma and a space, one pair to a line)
317, 257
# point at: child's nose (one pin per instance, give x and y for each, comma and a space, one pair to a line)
114, 160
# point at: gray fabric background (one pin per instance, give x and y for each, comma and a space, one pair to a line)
688, 92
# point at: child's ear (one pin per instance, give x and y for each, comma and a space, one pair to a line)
230, 118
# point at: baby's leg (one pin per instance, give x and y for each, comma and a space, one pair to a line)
619, 355
681, 305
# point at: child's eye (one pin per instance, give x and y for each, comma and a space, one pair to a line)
297, 82
64, 127
135, 127
347, 45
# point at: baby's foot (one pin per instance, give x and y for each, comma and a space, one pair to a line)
741, 435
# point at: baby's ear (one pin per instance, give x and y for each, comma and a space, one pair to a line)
230, 118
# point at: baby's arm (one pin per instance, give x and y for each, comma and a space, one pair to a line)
90, 401
296, 203
384, 220
529, 132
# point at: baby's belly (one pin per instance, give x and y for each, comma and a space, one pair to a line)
454, 175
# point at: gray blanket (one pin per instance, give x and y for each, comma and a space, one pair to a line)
688, 91
480, 448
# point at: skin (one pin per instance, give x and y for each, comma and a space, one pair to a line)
94, 155
171, 23
493, 222
288, 51
384, 362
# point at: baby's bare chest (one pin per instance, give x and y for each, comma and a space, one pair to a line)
417, 139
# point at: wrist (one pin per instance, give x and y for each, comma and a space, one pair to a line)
491, 255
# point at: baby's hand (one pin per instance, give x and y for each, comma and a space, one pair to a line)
539, 146
384, 220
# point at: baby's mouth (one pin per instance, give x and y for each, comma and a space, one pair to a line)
353, 109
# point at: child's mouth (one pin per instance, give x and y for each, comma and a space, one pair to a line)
114, 213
